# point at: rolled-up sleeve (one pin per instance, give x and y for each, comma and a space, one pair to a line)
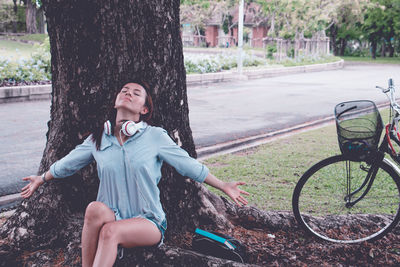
78, 158
178, 158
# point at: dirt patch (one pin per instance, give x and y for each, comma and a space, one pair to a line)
267, 248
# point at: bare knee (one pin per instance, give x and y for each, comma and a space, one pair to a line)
108, 232
98, 213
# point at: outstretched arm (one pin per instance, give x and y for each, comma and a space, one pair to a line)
34, 183
231, 189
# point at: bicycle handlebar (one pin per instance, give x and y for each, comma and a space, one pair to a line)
391, 97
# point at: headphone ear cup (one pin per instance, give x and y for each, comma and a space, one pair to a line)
107, 127
129, 128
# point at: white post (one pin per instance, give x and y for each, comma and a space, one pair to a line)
240, 37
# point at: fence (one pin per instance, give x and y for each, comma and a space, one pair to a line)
194, 40
299, 47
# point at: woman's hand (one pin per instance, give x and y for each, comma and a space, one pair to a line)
232, 190
34, 183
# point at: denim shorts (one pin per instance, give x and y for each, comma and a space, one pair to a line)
162, 227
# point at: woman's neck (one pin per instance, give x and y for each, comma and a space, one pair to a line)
123, 117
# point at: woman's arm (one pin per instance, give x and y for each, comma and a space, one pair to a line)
78, 158
34, 183
231, 189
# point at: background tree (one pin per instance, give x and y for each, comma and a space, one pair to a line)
31, 11
96, 47
200, 12
373, 26
298, 18
345, 25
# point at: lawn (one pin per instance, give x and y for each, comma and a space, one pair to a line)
272, 170
37, 38
378, 60
15, 50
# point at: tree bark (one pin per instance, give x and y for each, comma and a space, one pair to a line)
383, 49
343, 44
96, 47
41, 21
14, 23
333, 32
374, 45
30, 17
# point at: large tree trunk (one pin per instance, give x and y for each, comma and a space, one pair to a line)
96, 47
30, 17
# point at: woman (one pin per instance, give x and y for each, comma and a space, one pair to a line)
128, 210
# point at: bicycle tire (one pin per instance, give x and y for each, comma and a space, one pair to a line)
318, 202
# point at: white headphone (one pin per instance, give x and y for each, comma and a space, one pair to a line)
128, 128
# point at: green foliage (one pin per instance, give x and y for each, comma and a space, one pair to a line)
36, 68
8, 17
227, 22
381, 23
36, 37
308, 60
201, 63
296, 18
271, 49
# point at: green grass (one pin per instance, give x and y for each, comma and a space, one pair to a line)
272, 170
378, 60
15, 50
39, 38
292, 63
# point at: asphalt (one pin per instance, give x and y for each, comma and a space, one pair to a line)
224, 117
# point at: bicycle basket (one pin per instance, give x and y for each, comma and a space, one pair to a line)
359, 126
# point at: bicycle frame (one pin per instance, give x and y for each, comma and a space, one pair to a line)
392, 133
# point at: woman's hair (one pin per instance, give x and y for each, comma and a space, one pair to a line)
98, 133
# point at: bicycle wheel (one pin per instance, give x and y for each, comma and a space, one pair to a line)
319, 201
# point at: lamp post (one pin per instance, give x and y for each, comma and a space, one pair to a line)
240, 37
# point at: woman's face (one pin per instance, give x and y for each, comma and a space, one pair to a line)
132, 97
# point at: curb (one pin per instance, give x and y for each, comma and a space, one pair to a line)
40, 92
8, 201
241, 144
24, 93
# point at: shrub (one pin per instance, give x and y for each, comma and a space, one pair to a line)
37, 68
202, 63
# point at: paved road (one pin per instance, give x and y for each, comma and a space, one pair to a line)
218, 112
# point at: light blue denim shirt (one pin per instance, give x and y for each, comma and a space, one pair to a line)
129, 174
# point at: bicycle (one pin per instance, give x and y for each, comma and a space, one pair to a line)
355, 196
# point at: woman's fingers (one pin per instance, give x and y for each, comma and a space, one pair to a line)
25, 194
27, 178
244, 192
243, 200
28, 189
25, 187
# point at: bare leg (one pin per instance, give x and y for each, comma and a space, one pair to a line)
135, 232
97, 214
